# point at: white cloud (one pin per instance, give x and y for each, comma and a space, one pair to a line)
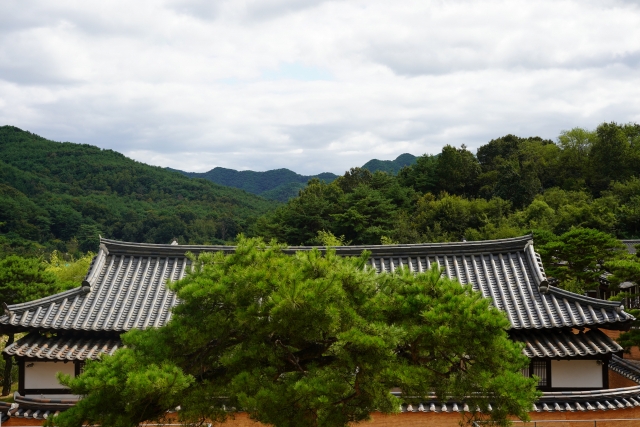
313, 85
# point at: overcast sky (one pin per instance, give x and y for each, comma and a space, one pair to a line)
312, 85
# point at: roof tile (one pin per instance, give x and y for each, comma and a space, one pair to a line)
126, 285
62, 348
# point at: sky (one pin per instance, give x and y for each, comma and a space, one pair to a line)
313, 85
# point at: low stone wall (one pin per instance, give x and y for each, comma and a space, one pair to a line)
421, 419
544, 419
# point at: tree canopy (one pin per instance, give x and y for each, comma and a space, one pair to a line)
512, 186
61, 196
579, 257
309, 339
284, 184
275, 184
627, 269
22, 280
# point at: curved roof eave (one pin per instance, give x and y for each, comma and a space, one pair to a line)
125, 285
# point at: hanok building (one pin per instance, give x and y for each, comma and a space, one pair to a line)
579, 366
631, 245
630, 289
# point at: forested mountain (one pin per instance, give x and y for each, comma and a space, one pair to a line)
62, 195
283, 184
512, 186
390, 166
276, 184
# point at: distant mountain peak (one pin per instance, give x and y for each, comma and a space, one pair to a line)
275, 184
283, 184
390, 166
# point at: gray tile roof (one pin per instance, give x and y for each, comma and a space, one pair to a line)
125, 287
122, 293
39, 408
627, 368
592, 400
62, 348
630, 244
559, 343
35, 413
565, 401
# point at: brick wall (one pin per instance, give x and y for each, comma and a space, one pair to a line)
618, 381
635, 351
419, 419
14, 422
629, 414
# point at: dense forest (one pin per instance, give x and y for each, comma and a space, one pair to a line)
511, 186
390, 166
284, 184
276, 184
61, 196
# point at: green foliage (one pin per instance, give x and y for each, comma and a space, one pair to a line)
69, 272
516, 169
283, 184
24, 279
63, 195
513, 186
308, 339
422, 175
384, 240
392, 167
457, 171
613, 155
630, 338
626, 269
360, 206
276, 184
579, 256
326, 238
141, 385
284, 192
13, 376
300, 220
575, 145
453, 218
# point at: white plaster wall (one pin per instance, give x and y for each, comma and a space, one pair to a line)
43, 374
576, 373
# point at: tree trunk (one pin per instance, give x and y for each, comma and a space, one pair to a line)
8, 364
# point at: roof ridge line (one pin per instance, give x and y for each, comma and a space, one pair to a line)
584, 298
47, 299
485, 246
591, 393
626, 362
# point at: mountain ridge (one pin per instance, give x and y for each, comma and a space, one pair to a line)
283, 184
61, 195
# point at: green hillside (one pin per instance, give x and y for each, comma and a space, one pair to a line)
510, 187
390, 166
283, 184
62, 195
283, 192
277, 184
